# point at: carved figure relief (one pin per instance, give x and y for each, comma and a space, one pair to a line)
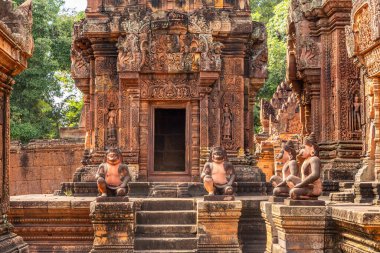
309, 54
355, 113
227, 123
80, 67
111, 125
129, 56
177, 88
362, 29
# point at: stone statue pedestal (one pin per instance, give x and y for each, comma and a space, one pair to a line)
271, 232
308, 202
302, 229
112, 199
277, 199
218, 226
219, 198
113, 224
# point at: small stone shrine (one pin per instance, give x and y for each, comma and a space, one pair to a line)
165, 81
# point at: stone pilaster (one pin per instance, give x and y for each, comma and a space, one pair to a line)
302, 229
272, 236
113, 224
218, 223
16, 46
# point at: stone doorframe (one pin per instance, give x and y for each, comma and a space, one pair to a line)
175, 176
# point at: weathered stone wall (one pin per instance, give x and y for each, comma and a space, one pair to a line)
40, 166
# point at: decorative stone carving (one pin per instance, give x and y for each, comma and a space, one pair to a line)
112, 125
227, 123
129, 58
355, 114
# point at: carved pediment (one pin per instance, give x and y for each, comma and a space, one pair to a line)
170, 53
176, 87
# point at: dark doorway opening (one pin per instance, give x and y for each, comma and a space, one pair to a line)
169, 140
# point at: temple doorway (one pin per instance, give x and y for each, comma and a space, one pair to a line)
169, 146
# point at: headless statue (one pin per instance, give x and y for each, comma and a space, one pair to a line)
288, 157
218, 174
113, 176
309, 186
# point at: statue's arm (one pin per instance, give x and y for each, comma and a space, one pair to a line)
314, 175
232, 173
206, 170
101, 171
124, 175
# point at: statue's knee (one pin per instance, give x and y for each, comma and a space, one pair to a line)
295, 192
121, 192
229, 190
101, 181
208, 179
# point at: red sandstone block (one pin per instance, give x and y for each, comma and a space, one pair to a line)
34, 187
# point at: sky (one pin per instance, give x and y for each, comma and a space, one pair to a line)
78, 5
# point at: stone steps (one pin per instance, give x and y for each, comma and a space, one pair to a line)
166, 225
166, 230
167, 204
166, 217
167, 243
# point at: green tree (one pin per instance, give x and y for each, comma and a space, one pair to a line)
34, 109
274, 15
276, 31
263, 10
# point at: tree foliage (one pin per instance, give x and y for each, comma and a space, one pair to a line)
35, 112
274, 15
263, 10
276, 31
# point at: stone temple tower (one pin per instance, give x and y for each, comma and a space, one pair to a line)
166, 80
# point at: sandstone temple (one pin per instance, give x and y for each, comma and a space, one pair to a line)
167, 127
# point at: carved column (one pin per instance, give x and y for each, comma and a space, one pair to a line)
195, 141
315, 105
87, 113
254, 85
144, 137
9, 242
106, 95
376, 90
16, 44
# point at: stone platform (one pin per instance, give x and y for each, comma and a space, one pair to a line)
343, 228
63, 224
165, 189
